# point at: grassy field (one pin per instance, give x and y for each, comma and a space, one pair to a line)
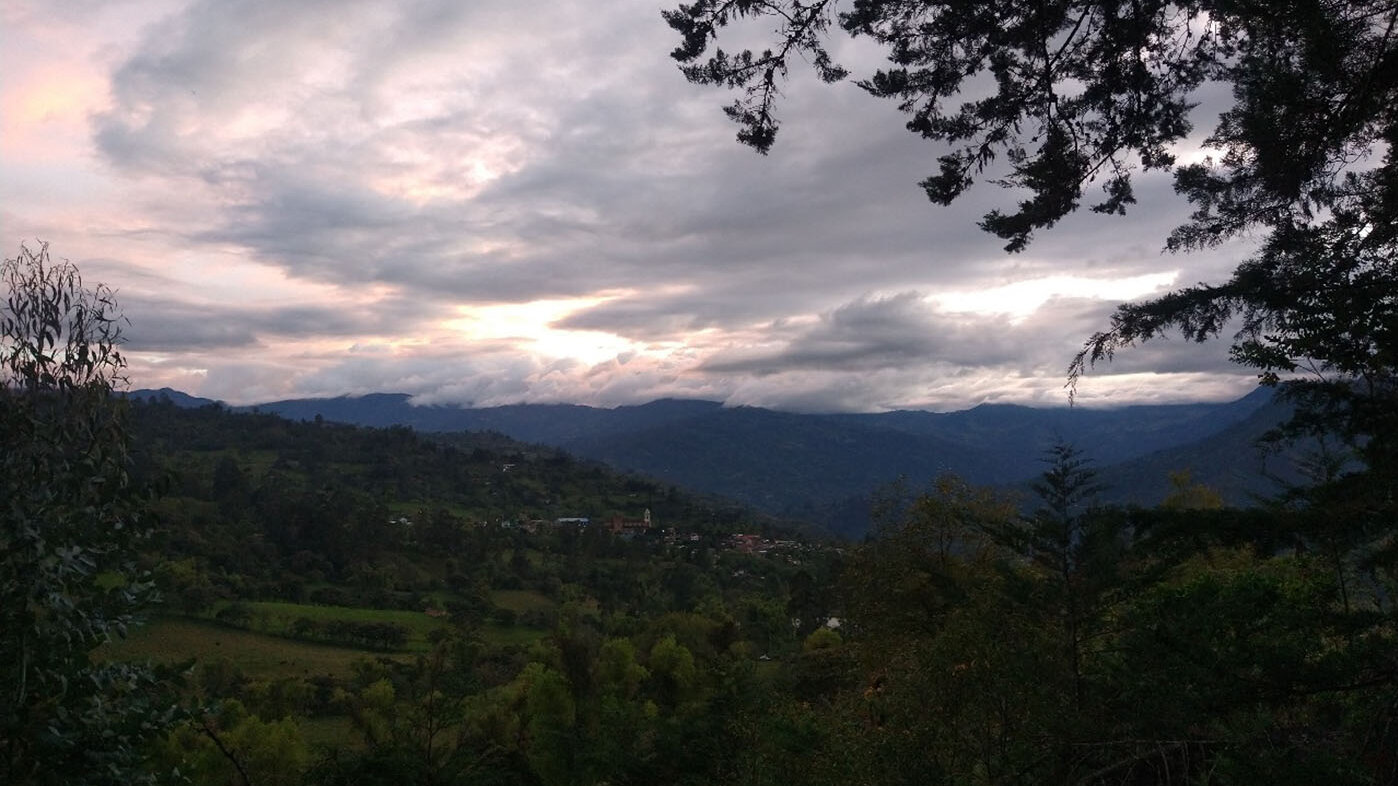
263, 653
175, 639
520, 601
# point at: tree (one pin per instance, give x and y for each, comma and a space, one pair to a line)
926, 552
552, 740
70, 521
233, 747
1087, 90
961, 638
1185, 494
1062, 540
1258, 655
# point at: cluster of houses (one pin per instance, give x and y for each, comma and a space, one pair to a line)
627, 527
756, 544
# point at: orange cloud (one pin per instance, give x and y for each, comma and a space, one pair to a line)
43, 115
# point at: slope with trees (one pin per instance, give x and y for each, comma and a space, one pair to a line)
822, 468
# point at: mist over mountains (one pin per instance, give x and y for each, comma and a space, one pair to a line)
824, 467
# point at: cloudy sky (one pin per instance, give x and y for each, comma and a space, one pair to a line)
508, 200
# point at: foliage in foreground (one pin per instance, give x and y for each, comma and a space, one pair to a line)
70, 526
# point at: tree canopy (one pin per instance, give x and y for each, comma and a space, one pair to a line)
1049, 98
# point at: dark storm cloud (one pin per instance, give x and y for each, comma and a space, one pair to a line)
904, 330
178, 329
166, 325
891, 333
650, 318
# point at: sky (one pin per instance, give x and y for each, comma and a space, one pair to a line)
508, 201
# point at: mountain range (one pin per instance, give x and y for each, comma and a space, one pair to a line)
824, 467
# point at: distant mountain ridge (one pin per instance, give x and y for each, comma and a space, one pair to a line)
788, 463
1229, 461
176, 397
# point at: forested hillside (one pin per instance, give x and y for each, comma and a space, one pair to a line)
257, 497
825, 468
335, 588
357, 611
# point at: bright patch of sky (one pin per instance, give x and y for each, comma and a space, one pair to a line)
1023, 298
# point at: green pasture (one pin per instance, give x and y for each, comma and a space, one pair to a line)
275, 617
266, 653
176, 639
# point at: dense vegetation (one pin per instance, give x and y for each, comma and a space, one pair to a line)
1128, 646
1187, 643
377, 540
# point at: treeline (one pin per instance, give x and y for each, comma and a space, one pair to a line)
367, 635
